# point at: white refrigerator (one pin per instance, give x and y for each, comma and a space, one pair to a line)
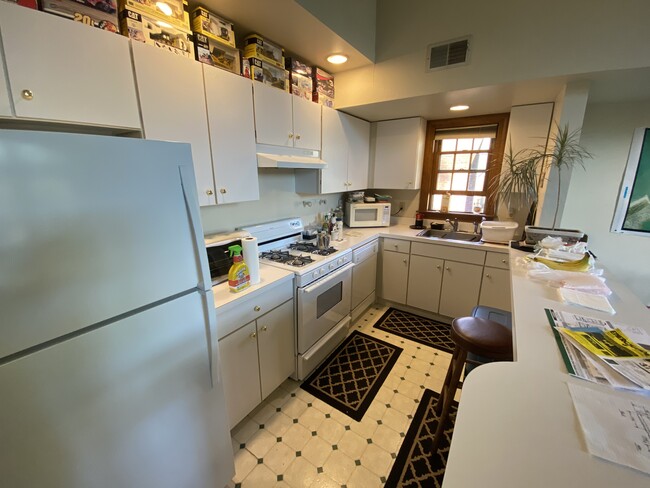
109, 368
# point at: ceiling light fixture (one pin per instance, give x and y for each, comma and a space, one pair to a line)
337, 58
458, 108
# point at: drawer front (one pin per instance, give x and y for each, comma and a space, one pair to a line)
252, 307
449, 253
397, 245
497, 260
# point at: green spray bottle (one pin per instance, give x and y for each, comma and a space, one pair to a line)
238, 276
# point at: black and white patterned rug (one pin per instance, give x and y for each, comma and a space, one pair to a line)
351, 376
419, 329
416, 466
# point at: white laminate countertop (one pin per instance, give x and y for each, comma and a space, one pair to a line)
516, 424
269, 276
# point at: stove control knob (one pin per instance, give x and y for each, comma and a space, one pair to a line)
340, 261
315, 274
331, 265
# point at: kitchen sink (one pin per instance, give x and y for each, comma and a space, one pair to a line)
452, 235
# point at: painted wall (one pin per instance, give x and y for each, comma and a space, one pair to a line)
278, 200
607, 133
512, 40
355, 21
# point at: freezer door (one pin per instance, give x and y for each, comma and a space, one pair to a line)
129, 404
91, 227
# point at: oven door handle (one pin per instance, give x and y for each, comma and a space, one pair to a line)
330, 277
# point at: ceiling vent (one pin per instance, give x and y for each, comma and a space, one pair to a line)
448, 53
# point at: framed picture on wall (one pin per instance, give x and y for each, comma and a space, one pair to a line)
632, 215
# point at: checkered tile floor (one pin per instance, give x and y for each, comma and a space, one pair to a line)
295, 440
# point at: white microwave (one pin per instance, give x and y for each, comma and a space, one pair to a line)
367, 214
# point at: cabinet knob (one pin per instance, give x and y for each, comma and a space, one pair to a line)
503, 261
404, 261
253, 335
27, 94
447, 268
257, 308
488, 276
438, 267
223, 191
209, 192
290, 135
265, 328
297, 137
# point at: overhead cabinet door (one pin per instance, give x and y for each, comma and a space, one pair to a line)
5, 106
65, 71
273, 116
306, 124
358, 136
335, 153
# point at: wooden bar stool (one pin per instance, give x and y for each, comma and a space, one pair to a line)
471, 335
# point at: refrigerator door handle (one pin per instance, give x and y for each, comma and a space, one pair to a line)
191, 199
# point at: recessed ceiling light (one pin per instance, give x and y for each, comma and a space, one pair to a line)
337, 58
164, 8
458, 108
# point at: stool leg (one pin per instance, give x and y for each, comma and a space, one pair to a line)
446, 398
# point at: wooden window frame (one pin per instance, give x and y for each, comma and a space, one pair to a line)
493, 170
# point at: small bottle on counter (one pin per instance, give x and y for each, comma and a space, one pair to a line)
339, 229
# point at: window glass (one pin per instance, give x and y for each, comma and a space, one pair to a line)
448, 145
465, 144
446, 162
479, 160
462, 162
476, 182
444, 181
459, 182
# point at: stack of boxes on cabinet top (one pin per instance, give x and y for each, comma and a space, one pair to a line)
210, 40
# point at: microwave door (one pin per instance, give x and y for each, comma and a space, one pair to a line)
366, 214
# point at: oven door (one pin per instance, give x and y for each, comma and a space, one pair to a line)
322, 305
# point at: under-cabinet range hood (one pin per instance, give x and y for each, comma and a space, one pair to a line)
265, 160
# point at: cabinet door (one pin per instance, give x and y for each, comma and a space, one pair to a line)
306, 124
5, 105
358, 135
495, 289
172, 105
276, 347
241, 373
232, 134
394, 276
364, 278
461, 284
66, 71
399, 149
425, 281
334, 152
273, 116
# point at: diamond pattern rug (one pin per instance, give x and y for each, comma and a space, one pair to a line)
351, 376
416, 466
419, 329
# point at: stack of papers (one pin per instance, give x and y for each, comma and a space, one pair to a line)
602, 352
589, 300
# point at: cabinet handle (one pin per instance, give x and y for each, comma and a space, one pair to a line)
257, 308
27, 94
290, 135
253, 335
209, 192
297, 137
223, 191
265, 328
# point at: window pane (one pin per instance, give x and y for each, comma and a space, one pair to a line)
462, 161
460, 203
436, 202
448, 145
465, 144
459, 182
446, 161
479, 161
444, 181
482, 143
476, 181
478, 204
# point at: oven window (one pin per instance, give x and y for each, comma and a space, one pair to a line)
328, 299
366, 214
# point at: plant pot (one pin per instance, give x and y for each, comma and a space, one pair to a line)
568, 236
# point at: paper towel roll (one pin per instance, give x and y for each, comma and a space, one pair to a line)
251, 258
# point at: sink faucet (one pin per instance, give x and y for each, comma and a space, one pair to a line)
477, 229
453, 223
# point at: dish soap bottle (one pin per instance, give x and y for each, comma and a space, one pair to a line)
238, 277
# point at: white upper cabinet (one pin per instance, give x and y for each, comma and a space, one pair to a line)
399, 150
5, 105
66, 71
282, 119
346, 149
172, 104
232, 135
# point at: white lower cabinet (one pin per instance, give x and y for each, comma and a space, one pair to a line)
461, 284
495, 289
424, 283
394, 275
257, 356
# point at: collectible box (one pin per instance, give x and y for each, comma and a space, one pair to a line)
143, 28
214, 53
323, 99
206, 23
323, 83
25, 3
301, 86
172, 12
298, 67
269, 73
259, 48
108, 6
79, 12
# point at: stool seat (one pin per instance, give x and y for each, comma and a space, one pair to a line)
482, 337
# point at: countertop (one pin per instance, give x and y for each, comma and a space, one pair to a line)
516, 424
269, 277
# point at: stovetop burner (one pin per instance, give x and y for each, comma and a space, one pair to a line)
311, 248
285, 258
